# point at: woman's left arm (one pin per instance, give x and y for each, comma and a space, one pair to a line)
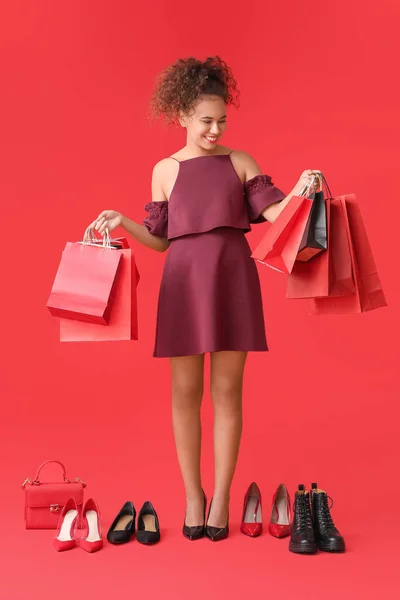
271, 212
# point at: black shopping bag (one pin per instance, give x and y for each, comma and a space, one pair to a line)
315, 237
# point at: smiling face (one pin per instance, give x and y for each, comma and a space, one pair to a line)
206, 123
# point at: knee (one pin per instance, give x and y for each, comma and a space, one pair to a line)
227, 395
187, 394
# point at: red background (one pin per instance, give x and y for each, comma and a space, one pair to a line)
318, 90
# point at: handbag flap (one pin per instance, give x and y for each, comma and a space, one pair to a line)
45, 494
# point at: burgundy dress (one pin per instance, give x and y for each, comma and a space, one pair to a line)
210, 295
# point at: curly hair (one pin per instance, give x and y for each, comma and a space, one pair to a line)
181, 84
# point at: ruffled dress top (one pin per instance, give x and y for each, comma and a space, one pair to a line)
210, 295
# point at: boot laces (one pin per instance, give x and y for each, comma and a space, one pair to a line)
324, 513
302, 513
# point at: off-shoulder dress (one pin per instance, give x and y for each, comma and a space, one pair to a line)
210, 295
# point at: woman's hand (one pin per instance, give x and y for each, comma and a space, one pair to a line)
306, 179
108, 219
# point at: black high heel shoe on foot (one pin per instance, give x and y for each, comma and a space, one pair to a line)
196, 532
215, 534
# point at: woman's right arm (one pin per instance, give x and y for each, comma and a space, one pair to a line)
110, 219
143, 235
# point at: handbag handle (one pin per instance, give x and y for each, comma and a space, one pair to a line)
46, 462
36, 481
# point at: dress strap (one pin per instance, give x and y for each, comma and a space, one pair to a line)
179, 161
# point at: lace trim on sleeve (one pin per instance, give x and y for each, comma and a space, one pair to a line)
258, 183
157, 220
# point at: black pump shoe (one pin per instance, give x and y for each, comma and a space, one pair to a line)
123, 526
215, 534
196, 532
148, 529
327, 536
302, 540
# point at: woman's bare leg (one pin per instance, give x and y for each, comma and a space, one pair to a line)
187, 394
226, 390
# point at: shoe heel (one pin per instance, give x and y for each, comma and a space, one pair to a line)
252, 521
279, 525
92, 540
196, 532
216, 534
66, 529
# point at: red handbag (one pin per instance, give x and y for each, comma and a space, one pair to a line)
45, 500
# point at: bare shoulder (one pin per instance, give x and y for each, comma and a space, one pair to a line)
163, 172
244, 158
164, 167
245, 163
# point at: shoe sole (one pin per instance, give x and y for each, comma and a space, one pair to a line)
216, 539
332, 547
303, 549
148, 543
192, 539
252, 535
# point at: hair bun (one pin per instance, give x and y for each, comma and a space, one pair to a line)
181, 84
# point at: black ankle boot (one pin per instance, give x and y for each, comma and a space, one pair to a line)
302, 540
327, 536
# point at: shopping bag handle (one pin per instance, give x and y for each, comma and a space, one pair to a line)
322, 181
330, 195
89, 238
306, 190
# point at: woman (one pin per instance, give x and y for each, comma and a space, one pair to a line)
204, 198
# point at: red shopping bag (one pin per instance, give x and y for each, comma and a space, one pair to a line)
84, 285
123, 323
330, 273
279, 247
368, 289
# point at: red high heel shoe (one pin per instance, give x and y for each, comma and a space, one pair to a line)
252, 512
281, 513
66, 529
92, 540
